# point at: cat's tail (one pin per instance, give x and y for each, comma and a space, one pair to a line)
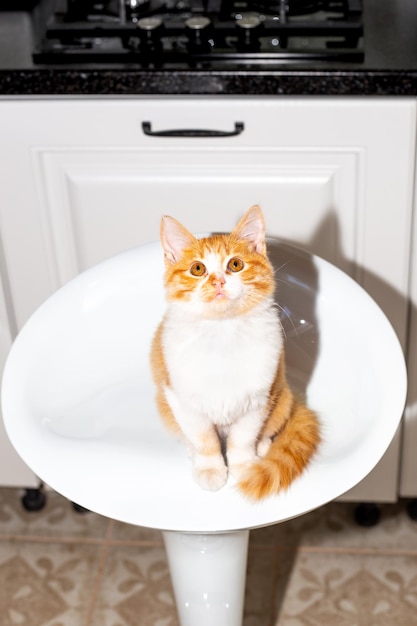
287, 457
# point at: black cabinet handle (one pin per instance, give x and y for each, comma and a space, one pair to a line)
190, 132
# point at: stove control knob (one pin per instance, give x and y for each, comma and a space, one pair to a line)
199, 33
149, 24
249, 26
150, 29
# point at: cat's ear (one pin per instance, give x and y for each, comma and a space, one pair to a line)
174, 238
252, 228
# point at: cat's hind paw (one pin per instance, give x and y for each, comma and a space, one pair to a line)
239, 460
263, 446
211, 478
237, 470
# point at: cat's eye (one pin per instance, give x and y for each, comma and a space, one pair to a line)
235, 264
198, 269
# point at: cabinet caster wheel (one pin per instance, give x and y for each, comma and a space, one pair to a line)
367, 514
33, 500
412, 510
79, 509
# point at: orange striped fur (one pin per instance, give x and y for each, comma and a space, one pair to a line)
295, 433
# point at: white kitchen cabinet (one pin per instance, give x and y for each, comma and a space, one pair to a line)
333, 175
408, 476
13, 471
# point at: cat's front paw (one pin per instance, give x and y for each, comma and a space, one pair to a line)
211, 478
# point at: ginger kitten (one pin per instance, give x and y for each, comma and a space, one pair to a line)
218, 362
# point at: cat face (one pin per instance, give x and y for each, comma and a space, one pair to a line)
218, 276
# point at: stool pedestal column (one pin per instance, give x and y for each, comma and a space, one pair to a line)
208, 574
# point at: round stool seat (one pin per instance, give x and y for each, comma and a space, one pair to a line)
78, 399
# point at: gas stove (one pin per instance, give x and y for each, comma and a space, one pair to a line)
202, 33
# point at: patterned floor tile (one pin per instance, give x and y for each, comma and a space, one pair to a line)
260, 587
136, 534
333, 526
60, 568
56, 520
46, 585
350, 590
136, 589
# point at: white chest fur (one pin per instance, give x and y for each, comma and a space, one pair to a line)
222, 368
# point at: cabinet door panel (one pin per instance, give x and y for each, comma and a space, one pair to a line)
97, 205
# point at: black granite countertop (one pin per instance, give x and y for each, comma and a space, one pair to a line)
389, 67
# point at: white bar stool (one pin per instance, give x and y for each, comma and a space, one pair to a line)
78, 405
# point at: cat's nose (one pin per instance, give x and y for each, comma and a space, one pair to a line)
218, 280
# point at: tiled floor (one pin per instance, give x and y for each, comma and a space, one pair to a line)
61, 568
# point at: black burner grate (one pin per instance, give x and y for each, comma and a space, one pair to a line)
203, 33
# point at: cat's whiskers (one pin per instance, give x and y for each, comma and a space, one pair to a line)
287, 316
283, 309
278, 269
280, 308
